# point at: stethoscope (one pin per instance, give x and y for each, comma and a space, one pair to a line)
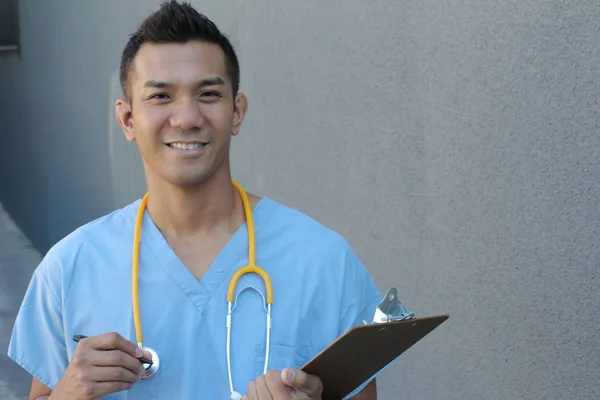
151, 369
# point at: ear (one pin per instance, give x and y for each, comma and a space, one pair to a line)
239, 112
125, 118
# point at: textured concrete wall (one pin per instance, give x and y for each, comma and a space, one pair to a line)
454, 143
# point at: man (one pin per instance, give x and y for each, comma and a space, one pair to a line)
181, 106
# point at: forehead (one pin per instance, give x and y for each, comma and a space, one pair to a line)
178, 63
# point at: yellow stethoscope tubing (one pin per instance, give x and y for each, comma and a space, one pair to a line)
251, 267
135, 271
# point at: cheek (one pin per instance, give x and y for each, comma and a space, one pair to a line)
220, 119
147, 127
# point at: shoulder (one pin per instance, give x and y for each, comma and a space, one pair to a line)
300, 238
95, 234
304, 229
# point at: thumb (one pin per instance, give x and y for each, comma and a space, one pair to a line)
309, 384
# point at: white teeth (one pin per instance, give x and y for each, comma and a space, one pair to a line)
186, 146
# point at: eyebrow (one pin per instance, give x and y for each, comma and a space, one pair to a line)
213, 81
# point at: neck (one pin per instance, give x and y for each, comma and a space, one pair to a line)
189, 211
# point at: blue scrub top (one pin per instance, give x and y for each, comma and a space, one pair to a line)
83, 286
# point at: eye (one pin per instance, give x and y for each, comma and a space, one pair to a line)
210, 95
158, 96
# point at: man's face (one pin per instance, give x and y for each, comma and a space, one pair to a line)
182, 113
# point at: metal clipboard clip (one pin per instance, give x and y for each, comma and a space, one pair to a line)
391, 309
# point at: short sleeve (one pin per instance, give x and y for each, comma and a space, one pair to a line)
361, 298
37, 341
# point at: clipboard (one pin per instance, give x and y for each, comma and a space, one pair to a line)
365, 350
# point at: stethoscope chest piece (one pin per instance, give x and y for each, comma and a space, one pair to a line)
151, 370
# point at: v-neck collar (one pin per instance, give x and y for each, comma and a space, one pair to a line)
199, 291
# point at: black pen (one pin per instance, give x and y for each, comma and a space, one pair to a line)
143, 360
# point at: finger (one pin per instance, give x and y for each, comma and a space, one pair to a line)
147, 355
262, 389
114, 374
277, 388
309, 384
252, 391
114, 341
101, 389
116, 358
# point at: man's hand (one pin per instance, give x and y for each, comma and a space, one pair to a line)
288, 384
100, 365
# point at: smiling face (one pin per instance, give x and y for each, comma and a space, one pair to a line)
182, 112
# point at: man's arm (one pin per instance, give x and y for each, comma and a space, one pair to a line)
360, 299
39, 391
101, 365
41, 351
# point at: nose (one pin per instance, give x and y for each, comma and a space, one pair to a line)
186, 115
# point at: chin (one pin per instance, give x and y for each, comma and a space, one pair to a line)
191, 176
190, 180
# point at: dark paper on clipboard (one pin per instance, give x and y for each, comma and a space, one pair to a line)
365, 350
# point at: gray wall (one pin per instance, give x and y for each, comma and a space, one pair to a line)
454, 143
